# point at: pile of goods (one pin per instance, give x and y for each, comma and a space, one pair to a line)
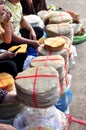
46, 81
44, 87
58, 46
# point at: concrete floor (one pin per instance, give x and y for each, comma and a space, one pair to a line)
78, 106
79, 6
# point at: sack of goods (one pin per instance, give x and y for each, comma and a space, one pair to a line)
55, 16
62, 29
38, 86
57, 46
49, 118
56, 61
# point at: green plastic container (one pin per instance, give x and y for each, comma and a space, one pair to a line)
79, 39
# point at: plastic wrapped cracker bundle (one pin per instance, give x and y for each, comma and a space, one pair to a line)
68, 41
57, 43
77, 27
56, 61
44, 15
49, 118
55, 16
54, 44
62, 29
60, 17
38, 86
69, 44
64, 51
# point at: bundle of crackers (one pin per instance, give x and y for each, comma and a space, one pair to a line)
38, 86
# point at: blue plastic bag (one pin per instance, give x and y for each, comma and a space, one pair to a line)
32, 51
64, 101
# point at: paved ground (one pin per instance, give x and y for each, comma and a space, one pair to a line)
78, 6
78, 106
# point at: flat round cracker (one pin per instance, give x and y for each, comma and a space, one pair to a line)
54, 43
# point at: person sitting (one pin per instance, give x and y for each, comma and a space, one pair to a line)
19, 21
33, 6
6, 58
6, 63
12, 27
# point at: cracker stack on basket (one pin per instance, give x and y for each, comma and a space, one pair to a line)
56, 61
38, 86
56, 46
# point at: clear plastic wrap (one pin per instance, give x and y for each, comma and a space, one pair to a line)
72, 57
32, 117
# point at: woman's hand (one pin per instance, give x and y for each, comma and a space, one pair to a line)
32, 35
6, 29
6, 127
7, 55
11, 97
34, 43
7, 15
